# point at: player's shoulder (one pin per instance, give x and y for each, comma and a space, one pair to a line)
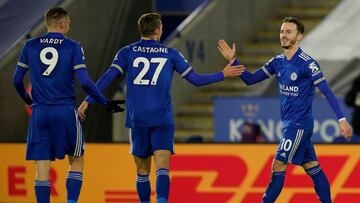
307, 62
279, 56
275, 59
174, 51
125, 49
72, 42
305, 58
32, 41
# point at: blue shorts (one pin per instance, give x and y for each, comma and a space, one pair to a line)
145, 140
296, 147
54, 131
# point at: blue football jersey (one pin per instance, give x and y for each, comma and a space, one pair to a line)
149, 68
297, 79
52, 60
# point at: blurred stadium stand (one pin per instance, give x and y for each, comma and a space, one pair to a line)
174, 12
25, 15
193, 28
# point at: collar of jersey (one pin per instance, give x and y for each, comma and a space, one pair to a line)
55, 34
149, 41
296, 55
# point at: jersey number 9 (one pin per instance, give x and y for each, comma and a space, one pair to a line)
51, 62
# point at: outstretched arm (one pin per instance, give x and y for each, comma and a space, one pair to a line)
252, 78
249, 78
205, 79
345, 128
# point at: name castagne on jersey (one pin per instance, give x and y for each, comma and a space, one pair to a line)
150, 49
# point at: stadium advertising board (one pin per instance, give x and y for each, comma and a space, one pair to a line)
217, 173
232, 112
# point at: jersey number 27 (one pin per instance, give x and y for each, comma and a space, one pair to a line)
139, 79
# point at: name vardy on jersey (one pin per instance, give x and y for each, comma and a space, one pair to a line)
150, 49
51, 41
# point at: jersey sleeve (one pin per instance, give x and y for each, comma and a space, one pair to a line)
79, 57
313, 72
268, 68
180, 63
23, 60
119, 62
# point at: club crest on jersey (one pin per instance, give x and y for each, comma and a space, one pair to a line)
314, 68
293, 76
279, 74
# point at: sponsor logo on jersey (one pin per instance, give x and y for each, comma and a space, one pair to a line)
314, 68
283, 155
289, 90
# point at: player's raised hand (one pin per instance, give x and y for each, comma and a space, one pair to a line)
232, 71
225, 50
81, 110
345, 129
114, 106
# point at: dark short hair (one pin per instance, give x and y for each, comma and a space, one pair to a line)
299, 25
148, 23
54, 14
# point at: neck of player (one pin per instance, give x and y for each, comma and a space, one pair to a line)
152, 37
289, 53
55, 29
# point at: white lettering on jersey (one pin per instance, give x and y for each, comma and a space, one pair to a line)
150, 49
51, 41
314, 68
289, 90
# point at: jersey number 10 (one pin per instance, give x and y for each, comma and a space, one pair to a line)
139, 79
51, 62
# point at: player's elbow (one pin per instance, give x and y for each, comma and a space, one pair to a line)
16, 81
85, 83
197, 84
248, 83
194, 80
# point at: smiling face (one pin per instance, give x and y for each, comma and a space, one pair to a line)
289, 35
